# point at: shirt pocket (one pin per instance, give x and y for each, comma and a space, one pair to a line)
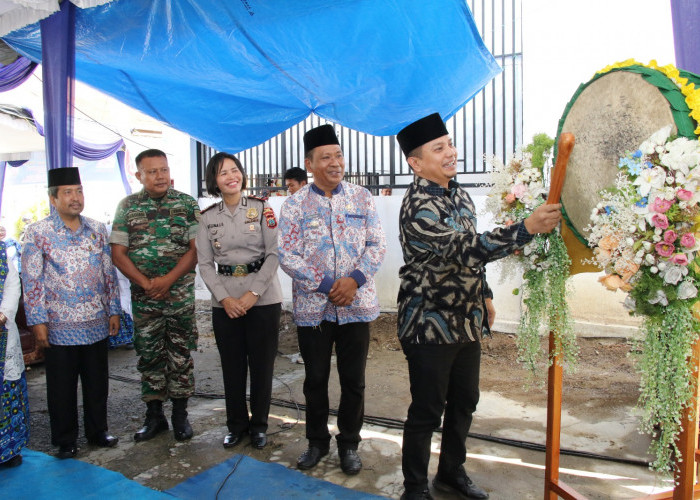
179, 231
216, 236
314, 228
139, 228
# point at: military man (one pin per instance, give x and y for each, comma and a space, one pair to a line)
153, 245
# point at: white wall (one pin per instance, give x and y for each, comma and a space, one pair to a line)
596, 312
566, 42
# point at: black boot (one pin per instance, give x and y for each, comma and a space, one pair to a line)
155, 422
181, 426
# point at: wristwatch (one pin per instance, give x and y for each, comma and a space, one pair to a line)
255, 293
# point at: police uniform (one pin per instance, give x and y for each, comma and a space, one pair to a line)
157, 233
237, 253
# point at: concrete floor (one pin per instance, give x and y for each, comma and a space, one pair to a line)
506, 472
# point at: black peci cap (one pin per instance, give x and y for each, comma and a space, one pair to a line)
68, 176
320, 136
421, 131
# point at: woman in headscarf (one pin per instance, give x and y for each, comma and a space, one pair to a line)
14, 412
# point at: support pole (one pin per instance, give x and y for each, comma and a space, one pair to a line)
686, 473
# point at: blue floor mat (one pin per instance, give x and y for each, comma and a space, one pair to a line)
43, 476
242, 477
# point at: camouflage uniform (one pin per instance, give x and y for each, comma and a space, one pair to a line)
157, 233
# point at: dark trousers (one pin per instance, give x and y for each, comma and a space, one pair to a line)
443, 378
316, 345
247, 343
64, 364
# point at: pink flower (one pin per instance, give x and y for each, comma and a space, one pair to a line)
519, 190
670, 236
664, 249
680, 259
661, 205
684, 194
510, 198
660, 221
688, 240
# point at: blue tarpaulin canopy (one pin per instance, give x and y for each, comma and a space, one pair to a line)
234, 74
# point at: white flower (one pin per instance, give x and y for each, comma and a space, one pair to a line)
670, 179
682, 205
654, 269
687, 290
650, 178
661, 266
638, 260
660, 136
647, 246
629, 303
656, 238
672, 275
649, 259
660, 298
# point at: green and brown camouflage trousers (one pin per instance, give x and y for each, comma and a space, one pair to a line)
165, 333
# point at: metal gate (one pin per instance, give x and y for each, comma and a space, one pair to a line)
490, 124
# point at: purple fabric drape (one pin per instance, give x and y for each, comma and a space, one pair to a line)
58, 61
15, 73
121, 155
686, 35
93, 152
83, 149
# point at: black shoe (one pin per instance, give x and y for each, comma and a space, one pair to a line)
104, 440
15, 461
233, 439
181, 426
258, 440
311, 457
417, 495
154, 424
350, 462
67, 451
459, 483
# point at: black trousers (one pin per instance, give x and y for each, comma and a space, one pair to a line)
64, 364
443, 378
247, 343
316, 345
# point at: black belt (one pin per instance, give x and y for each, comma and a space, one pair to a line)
240, 269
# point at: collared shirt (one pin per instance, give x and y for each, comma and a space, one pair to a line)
69, 280
323, 239
442, 290
156, 231
241, 237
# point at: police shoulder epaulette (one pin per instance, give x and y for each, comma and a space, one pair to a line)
209, 207
259, 198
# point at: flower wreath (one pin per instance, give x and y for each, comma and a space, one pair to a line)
644, 235
517, 189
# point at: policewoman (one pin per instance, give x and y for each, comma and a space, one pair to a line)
237, 255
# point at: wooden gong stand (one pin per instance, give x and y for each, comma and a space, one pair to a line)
686, 475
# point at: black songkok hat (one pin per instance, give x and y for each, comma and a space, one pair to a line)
421, 131
320, 136
68, 176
